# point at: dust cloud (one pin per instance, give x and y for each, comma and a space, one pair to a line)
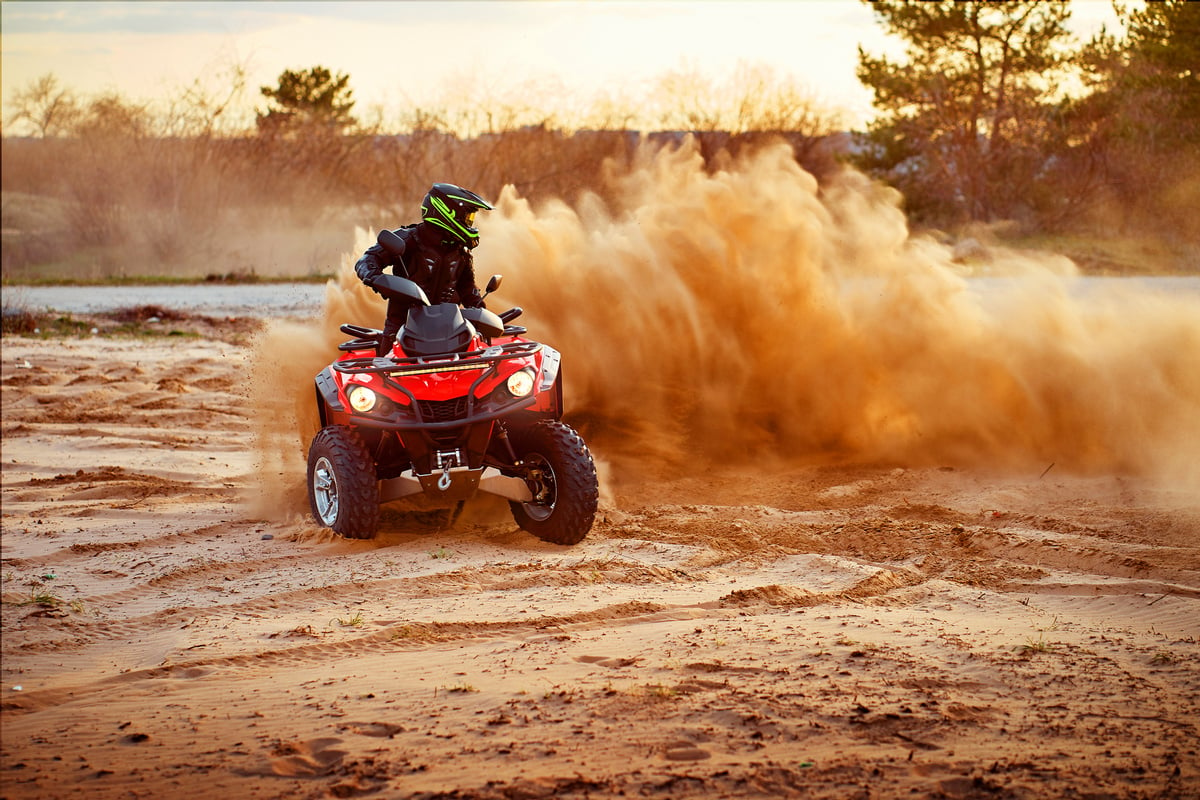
288, 355
746, 313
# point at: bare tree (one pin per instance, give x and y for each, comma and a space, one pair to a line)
755, 104
45, 106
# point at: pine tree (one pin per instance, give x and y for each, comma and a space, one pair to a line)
308, 100
964, 115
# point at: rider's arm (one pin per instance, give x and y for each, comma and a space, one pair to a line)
370, 266
375, 259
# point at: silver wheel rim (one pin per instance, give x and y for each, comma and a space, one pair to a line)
325, 492
540, 512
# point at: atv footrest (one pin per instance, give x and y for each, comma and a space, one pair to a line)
358, 344
365, 338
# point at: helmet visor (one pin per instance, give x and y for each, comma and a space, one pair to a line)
468, 218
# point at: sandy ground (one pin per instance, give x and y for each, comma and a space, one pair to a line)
791, 631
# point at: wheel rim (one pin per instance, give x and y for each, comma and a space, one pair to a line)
541, 510
325, 491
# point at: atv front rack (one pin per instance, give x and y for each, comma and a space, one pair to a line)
445, 362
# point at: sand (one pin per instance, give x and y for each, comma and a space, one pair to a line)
754, 630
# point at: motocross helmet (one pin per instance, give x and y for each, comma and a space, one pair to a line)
452, 209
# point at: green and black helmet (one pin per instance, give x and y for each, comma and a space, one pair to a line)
453, 208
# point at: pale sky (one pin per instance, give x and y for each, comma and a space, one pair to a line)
403, 53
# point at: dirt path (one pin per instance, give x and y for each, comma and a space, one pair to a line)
817, 631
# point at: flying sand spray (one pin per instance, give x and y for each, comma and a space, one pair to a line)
746, 313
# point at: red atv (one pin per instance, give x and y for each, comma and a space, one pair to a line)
463, 404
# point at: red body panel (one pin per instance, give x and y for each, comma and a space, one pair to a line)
445, 380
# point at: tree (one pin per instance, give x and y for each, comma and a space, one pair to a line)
1149, 82
1164, 52
45, 106
750, 106
308, 100
111, 116
1141, 124
963, 117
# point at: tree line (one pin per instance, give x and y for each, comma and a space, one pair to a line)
993, 113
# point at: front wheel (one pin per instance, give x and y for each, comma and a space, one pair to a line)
562, 478
342, 489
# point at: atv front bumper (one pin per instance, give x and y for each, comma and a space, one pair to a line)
454, 485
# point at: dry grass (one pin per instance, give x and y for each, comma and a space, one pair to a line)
114, 190
16, 316
75, 209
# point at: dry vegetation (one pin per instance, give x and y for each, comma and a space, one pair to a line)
111, 188
108, 189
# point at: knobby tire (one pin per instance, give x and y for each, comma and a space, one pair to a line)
356, 484
577, 489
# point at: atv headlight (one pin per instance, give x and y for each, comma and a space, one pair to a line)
520, 384
361, 399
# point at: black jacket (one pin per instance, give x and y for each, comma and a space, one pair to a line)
443, 269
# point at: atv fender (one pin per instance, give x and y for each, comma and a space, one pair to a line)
551, 368
327, 394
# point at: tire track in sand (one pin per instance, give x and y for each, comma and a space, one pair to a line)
419, 635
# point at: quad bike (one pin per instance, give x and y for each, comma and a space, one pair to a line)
462, 404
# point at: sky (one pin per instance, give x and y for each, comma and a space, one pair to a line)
567, 53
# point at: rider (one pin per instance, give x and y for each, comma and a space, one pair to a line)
436, 255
